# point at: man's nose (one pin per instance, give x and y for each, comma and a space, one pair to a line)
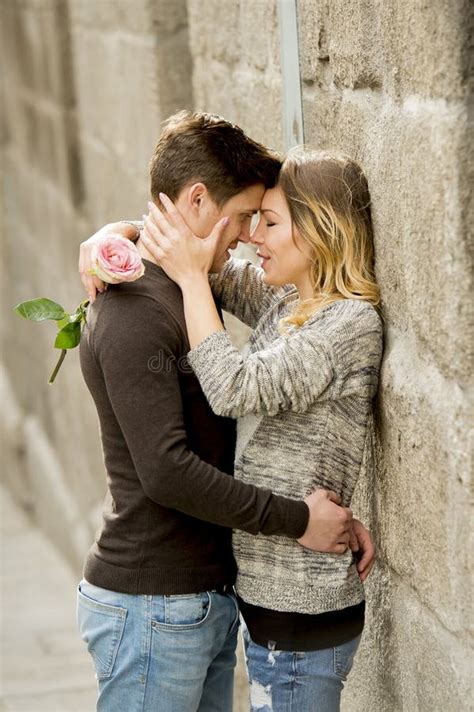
244, 235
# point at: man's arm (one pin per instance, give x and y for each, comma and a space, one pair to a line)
148, 407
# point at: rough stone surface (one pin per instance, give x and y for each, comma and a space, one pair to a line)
85, 87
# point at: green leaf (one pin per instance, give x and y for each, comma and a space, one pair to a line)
63, 322
69, 336
40, 309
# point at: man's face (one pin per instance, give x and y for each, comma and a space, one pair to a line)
239, 209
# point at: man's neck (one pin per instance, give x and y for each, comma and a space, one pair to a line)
143, 252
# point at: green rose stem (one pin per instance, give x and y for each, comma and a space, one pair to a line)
69, 325
57, 367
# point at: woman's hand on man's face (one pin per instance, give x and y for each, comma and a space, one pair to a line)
174, 246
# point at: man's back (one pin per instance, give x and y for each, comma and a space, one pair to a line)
152, 413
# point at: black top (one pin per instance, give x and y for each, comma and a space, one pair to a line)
168, 457
302, 631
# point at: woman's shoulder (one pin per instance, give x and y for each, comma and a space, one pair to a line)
346, 311
345, 324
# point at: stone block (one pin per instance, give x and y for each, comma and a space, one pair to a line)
115, 16
424, 473
112, 190
237, 71
108, 113
169, 18
174, 75
431, 674
413, 158
212, 31
402, 48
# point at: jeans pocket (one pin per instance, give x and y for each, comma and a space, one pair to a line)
183, 612
101, 627
344, 657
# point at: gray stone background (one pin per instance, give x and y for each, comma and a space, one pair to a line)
85, 85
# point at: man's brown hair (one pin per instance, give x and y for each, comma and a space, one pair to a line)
201, 147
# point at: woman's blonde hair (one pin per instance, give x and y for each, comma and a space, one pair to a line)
329, 203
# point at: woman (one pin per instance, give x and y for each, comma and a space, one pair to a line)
302, 393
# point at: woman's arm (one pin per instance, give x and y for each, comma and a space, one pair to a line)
288, 375
242, 292
342, 346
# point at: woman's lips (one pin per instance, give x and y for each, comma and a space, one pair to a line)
264, 259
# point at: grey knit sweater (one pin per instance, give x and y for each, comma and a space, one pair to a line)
303, 403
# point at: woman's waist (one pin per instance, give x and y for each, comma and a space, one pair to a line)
297, 480
308, 595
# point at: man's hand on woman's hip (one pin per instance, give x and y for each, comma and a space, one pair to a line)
332, 529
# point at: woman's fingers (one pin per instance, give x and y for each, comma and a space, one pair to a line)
354, 544
161, 220
333, 497
364, 567
219, 228
151, 243
173, 214
155, 233
87, 280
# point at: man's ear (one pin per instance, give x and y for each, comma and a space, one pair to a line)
197, 194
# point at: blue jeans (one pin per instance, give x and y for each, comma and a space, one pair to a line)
160, 653
283, 681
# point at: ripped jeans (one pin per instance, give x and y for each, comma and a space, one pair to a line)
282, 681
160, 653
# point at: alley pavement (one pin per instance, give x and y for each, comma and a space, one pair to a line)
45, 666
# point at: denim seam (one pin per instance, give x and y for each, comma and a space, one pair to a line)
119, 615
146, 645
236, 623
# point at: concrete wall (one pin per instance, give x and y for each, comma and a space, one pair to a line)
86, 85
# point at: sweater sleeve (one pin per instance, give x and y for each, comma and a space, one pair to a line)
242, 292
147, 404
295, 369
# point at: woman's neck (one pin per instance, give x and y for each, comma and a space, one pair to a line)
305, 288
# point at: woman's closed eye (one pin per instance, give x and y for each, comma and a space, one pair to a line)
270, 224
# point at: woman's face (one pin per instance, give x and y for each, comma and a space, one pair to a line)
285, 257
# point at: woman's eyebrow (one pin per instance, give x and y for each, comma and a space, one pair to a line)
267, 210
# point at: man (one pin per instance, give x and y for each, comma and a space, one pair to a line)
156, 606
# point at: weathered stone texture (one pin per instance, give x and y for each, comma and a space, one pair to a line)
403, 113
85, 91
86, 85
235, 49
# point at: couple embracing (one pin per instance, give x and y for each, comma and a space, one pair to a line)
268, 443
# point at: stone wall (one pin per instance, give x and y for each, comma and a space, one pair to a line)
86, 85
389, 84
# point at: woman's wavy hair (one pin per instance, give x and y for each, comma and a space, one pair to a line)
329, 202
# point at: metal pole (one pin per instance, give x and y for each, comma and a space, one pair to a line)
290, 67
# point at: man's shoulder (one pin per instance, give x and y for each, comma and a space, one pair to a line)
132, 316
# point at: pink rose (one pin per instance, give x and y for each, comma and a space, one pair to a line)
116, 259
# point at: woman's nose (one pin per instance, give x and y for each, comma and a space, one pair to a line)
256, 235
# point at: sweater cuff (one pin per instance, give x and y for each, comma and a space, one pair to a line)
297, 518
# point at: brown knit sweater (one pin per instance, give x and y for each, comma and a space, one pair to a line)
168, 457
